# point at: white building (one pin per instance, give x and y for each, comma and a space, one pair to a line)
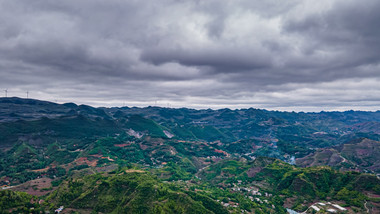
339, 207
315, 208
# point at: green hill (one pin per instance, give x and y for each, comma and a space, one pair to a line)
131, 191
146, 126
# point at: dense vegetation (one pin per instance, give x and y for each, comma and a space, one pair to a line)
131, 191
18, 202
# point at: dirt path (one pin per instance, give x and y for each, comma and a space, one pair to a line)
134, 170
347, 161
365, 205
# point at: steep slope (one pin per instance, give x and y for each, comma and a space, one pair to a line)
144, 126
360, 154
295, 184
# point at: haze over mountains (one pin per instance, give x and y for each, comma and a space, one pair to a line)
246, 160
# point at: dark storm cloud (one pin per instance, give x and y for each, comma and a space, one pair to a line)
221, 60
351, 30
301, 55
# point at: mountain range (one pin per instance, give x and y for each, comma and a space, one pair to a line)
167, 160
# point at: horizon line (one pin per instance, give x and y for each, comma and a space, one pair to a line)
200, 109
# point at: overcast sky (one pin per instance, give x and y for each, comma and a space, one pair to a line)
288, 55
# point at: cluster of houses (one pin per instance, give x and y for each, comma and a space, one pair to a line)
321, 207
251, 190
328, 207
229, 204
259, 200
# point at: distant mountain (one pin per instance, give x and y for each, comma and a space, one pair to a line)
282, 135
366, 127
312, 129
14, 108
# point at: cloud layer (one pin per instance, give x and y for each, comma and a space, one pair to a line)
286, 55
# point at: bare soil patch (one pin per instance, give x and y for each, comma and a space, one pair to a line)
37, 187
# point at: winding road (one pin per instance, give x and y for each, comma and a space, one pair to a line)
365, 205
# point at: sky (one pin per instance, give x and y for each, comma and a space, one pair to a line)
290, 55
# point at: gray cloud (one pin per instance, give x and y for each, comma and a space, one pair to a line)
293, 55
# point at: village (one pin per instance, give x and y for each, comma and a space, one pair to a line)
327, 207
